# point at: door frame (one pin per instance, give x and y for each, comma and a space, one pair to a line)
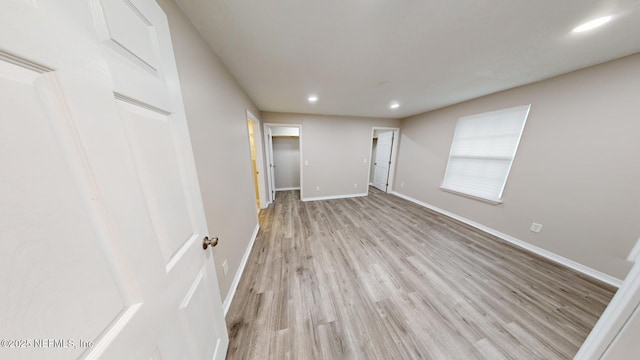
268, 155
257, 138
616, 315
394, 155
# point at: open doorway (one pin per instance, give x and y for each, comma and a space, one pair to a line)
384, 147
283, 154
257, 164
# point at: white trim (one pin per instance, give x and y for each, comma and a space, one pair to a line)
634, 255
613, 319
258, 139
236, 279
334, 197
301, 161
522, 244
268, 150
266, 134
470, 196
287, 189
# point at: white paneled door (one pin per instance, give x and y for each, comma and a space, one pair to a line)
384, 147
101, 219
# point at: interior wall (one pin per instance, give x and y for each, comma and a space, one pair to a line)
216, 114
576, 170
286, 158
285, 131
337, 149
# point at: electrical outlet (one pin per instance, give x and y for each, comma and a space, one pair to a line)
317, 188
402, 184
365, 160
225, 267
306, 162
355, 186
536, 228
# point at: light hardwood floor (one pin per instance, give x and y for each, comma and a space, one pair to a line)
378, 277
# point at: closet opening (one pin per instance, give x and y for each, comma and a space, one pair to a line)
384, 147
284, 154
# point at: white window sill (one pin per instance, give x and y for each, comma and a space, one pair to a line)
475, 197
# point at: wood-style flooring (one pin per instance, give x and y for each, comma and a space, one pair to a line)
378, 277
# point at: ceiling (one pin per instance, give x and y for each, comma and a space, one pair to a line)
358, 56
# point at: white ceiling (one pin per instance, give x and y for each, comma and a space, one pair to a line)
360, 55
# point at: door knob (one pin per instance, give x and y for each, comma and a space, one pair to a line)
206, 242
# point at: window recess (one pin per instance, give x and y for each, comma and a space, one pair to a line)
482, 152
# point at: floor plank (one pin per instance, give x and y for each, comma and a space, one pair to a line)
378, 277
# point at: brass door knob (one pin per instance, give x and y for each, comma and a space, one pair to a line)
206, 242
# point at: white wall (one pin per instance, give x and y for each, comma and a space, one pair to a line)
216, 113
335, 147
285, 131
577, 169
286, 158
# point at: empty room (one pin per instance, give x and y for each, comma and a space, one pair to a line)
319, 180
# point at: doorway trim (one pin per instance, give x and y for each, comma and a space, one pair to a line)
615, 316
394, 156
257, 138
271, 187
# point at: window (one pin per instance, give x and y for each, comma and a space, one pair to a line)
482, 152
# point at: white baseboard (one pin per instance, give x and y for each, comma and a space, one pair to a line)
287, 189
522, 244
334, 197
236, 279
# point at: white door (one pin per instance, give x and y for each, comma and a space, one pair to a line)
101, 220
271, 175
383, 160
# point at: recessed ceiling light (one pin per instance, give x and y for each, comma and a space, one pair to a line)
593, 24
313, 98
394, 105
